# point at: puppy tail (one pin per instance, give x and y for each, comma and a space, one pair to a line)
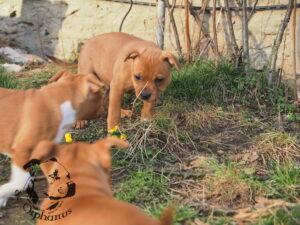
166, 218
62, 63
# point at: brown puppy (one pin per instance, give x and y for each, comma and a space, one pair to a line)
91, 201
27, 117
125, 62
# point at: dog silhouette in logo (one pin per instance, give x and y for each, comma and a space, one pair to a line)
60, 177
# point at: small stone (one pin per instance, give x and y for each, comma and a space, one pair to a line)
220, 152
14, 68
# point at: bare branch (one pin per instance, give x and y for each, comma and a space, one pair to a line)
215, 37
294, 51
187, 31
278, 41
245, 36
172, 21
231, 31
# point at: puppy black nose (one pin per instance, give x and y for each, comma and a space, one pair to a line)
145, 95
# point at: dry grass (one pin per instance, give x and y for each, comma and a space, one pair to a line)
280, 147
270, 147
262, 208
203, 118
158, 136
228, 188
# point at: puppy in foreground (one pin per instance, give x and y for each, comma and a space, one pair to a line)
29, 116
92, 199
124, 63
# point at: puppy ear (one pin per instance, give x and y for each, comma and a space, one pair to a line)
58, 75
132, 55
43, 151
94, 84
168, 57
166, 218
105, 146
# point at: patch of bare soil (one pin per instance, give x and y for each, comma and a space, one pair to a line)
14, 213
200, 142
32, 71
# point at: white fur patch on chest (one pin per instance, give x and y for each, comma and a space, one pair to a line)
68, 117
6, 154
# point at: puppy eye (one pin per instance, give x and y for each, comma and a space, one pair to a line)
137, 77
159, 80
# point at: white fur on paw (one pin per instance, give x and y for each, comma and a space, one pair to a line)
3, 201
145, 119
19, 181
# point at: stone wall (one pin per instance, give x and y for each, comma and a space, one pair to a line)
58, 27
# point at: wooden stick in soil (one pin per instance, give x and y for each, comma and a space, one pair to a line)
215, 37
245, 36
199, 22
277, 42
294, 51
230, 27
187, 31
160, 28
172, 21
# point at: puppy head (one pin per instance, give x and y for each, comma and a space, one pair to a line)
91, 104
86, 91
97, 153
46, 154
150, 72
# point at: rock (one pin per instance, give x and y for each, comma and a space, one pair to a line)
220, 152
200, 161
19, 56
12, 67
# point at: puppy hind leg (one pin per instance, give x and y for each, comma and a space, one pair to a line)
19, 181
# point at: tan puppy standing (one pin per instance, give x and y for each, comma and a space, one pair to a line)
125, 62
92, 200
29, 116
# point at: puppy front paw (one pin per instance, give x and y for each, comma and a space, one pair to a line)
126, 113
80, 124
146, 116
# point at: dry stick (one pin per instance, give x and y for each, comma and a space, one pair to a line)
231, 31
215, 37
138, 95
245, 37
199, 22
172, 21
126, 14
278, 41
252, 11
294, 50
282, 62
187, 31
160, 23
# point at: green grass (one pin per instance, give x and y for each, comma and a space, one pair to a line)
35, 81
289, 216
148, 189
284, 182
199, 86
143, 187
224, 84
181, 214
7, 81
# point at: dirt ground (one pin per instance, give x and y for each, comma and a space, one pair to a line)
185, 142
